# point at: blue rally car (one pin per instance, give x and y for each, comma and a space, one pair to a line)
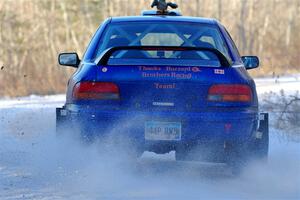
164, 82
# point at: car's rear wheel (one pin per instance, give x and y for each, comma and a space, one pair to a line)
236, 156
239, 154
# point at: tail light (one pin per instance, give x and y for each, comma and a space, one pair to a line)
230, 93
96, 91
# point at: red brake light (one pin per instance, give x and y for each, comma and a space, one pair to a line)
230, 93
96, 91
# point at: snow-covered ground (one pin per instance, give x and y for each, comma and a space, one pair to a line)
35, 164
289, 84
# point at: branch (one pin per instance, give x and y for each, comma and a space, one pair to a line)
287, 105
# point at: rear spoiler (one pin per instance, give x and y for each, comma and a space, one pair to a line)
104, 57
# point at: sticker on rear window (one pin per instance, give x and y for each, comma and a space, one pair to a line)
219, 71
196, 69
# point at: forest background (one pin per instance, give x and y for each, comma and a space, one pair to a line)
33, 32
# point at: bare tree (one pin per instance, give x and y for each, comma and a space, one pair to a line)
33, 32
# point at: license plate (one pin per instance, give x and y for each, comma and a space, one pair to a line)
168, 131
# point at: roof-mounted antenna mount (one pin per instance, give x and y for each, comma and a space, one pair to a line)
162, 5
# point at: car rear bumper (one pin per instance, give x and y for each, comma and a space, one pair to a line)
216, 126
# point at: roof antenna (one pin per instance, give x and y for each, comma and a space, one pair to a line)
162, 6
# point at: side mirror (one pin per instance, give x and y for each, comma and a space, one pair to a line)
250, 62
69, 59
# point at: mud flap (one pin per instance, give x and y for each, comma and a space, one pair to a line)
261, 143
61, 120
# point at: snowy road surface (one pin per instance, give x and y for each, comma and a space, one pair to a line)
34, 164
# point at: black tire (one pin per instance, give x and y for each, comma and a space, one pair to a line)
240, 154
236, 156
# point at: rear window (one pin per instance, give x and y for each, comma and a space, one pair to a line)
163, 34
